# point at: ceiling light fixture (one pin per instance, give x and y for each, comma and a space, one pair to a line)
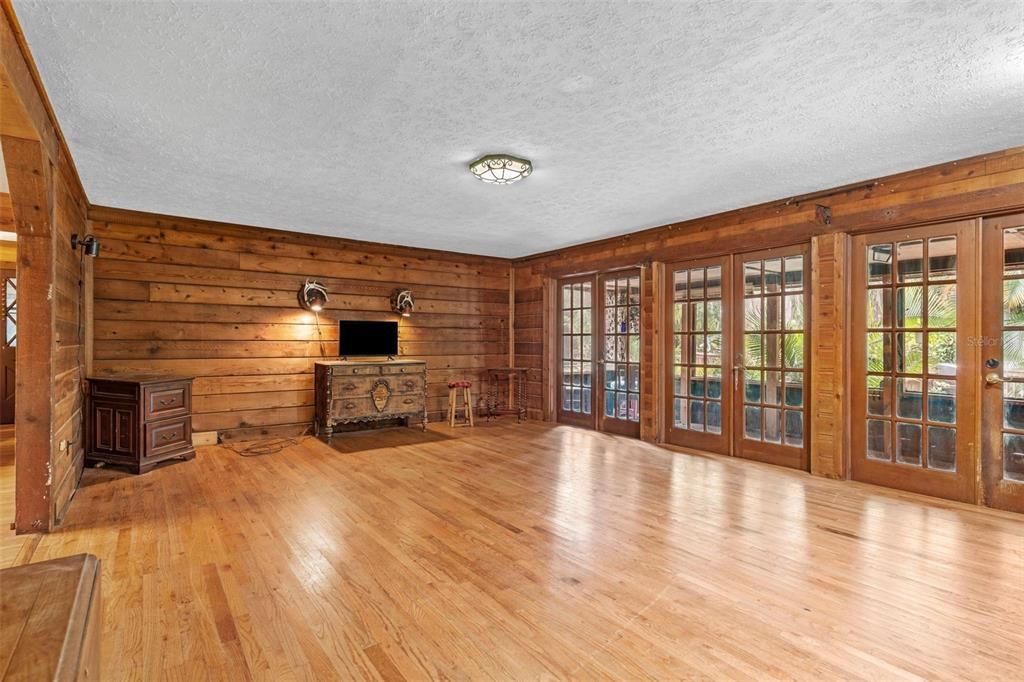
500, 169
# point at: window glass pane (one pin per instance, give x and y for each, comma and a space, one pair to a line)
752, 314
879, 264
586, 321
879, 442
772, 275
794, 273
752, 384
909, 261
678, 380
679, 412
941, 448
752, 350
679, 285
942, 401
566, 296
752, 422
1013, 251
908, 398
1013, 405
794, 351
908, 443
909, 355
697, 283
697, 415
794, 428
713, 316
586, 294
879, 311
879, 396
772, 389
909, 310
942, 258
772, 312
714, 382
752, 278
794, 389
714, 282
586, 400
879, 351
697, 311
634, 291
1013, 354
1013, 457
714, 417
795, 311
772, 425
942, 305
942, 353
772, 350
1013, 303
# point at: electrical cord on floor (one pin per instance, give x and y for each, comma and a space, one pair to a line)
269, 446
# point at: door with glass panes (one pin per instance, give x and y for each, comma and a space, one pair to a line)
599, 352
1002, 362
698, 390
770, 361
914, 366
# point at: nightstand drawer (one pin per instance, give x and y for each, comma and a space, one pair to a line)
168, 435
166, 400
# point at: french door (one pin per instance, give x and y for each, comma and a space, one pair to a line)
738, 355
914, 366
1002, 362
599, 319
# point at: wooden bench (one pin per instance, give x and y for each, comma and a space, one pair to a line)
51, 620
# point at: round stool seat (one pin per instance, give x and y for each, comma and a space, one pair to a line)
459, 384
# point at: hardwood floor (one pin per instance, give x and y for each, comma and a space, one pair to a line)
537, 551
14, 549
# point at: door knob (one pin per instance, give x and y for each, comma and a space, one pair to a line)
993, 379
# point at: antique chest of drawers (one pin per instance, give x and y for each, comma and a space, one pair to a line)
351, 392
139, 421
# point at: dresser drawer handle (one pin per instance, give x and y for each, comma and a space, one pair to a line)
408, 401
410, 383
402, 370
165, 402
349, 406
349, 386
166, 436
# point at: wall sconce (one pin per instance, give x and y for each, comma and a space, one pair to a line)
402, 302
90, 245
313, 296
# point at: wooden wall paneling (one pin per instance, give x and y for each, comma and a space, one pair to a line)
653, 358
218, 302
829, 407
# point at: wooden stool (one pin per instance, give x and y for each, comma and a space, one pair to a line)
467, 399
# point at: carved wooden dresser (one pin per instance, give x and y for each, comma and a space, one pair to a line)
352, 392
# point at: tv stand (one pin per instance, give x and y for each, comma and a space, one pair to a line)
352, 392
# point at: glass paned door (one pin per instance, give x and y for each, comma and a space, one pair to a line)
914, 367
1002, 362
771, 376
698, 391
576, 359
620, 352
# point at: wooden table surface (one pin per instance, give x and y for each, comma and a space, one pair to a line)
44, 611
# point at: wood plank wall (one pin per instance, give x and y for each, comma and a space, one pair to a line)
980, 185
219, 302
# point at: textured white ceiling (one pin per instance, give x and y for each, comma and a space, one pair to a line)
358, 119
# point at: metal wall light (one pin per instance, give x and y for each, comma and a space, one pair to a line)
402, 302
313, 296
90, 245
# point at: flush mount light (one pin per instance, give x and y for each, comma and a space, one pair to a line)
500, 169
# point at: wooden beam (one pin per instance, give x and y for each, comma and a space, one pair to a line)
828, 409
30, 176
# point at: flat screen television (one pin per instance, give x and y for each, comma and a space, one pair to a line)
363, 337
